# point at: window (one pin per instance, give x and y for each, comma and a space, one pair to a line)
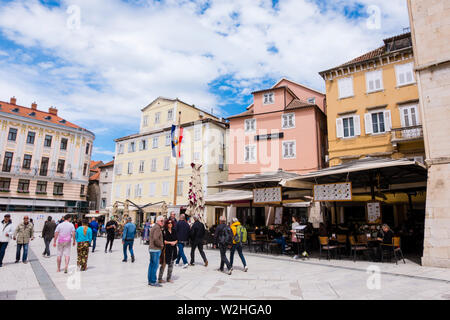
409, 116
103, 205
23, 186
168, 139
404, 74
153, 165
345, 86
143, 145
82, 190
268, 98
41, 187
155, 142
117, 191
48, 141
165, 188
130, 168
85, 169
170, 115
60, 168
4, 184
311, 100
30, 137
141, 166
374, 81
26, 161
7, 162
250, 125
348, 127
157, 117
166, 163
120, 149
12, 135
288, 149
179, 188
118, 168
250, 153
152, 189
128, 192
288, 120
106, 173
63, 145
145, 121
378, 122
44, 166
58, 189
131, 147
197, 133
181, 162
138, 190
88, 145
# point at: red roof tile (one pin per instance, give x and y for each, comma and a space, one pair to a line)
108, 164
95, 176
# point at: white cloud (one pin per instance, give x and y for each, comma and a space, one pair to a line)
101, 151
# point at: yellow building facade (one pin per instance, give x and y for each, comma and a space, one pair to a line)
373, 105
144, 168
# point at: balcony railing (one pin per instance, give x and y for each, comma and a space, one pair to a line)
34, 172
407, 134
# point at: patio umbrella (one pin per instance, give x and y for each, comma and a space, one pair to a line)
196, 205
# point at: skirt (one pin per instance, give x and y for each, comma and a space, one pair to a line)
83, 252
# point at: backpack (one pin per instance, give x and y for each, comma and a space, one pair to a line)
241, 234
226, 236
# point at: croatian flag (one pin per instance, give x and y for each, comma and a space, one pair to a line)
177, 136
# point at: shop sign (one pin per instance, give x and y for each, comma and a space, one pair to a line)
373, 211
333, 192
267, 195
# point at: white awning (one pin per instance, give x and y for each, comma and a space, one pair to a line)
305, 204
230, 195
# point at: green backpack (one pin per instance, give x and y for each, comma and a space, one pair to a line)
241, 234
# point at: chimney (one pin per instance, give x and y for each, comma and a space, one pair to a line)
34, 106
13, 100
53, 111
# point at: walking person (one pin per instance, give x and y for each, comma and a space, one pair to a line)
24, 233
48, 232
111, 228
183, 230
83, 236
197, 236
155, 247
146, 234
223, 238
128, 234
64, 233
169, 253
94, 227
6, 232
239, 236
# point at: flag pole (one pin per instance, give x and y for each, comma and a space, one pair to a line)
176, 163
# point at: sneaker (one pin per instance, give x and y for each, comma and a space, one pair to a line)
132, 259
220, 270
17, 261
185, 266
230, 271
124, 260
192, 264
206, 263
155, 285
295, 257
245, 269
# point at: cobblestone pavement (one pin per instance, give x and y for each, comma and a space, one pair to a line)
268, 277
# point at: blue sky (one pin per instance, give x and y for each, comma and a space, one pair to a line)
99, 62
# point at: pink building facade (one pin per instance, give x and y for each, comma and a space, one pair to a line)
284, 128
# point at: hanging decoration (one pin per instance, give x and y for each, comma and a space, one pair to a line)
196, 205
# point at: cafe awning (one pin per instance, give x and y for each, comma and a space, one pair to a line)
229, 196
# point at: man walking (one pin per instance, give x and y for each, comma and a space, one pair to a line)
156, 245
24, 233
183, 230
94, 227
48, 232
128, 234
223, 238
6, 232
111, 228
197, 235
64, 232
238, 235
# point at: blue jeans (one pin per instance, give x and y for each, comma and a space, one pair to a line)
153, 266
237, 247
94, 240
128, 243
181, 254
3, 246
281, 241
25, 252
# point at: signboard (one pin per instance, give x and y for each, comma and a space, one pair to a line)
267, 195
373, 212
333, 192
278, 215
270, 136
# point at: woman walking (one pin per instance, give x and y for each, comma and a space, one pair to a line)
169, 252
84, 237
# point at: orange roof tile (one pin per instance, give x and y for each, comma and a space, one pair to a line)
108, 164
95, 176
94, 164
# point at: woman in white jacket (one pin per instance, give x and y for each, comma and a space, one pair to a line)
6, 232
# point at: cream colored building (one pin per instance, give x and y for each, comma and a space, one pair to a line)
430, 29
144, 168
45, 163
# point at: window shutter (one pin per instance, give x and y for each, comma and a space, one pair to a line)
371, 88
357, 125
368, 123
387, 120
339, 128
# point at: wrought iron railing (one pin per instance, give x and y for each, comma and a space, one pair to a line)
34, 172
407, 133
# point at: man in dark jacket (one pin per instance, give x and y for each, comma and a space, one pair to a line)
197, 235
223, 237
48, 232
183, 230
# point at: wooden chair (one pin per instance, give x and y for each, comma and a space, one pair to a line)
342, 242
325, 245
356, 246
254, 243
395, 248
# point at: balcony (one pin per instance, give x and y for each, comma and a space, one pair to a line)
33, 172
406, 134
